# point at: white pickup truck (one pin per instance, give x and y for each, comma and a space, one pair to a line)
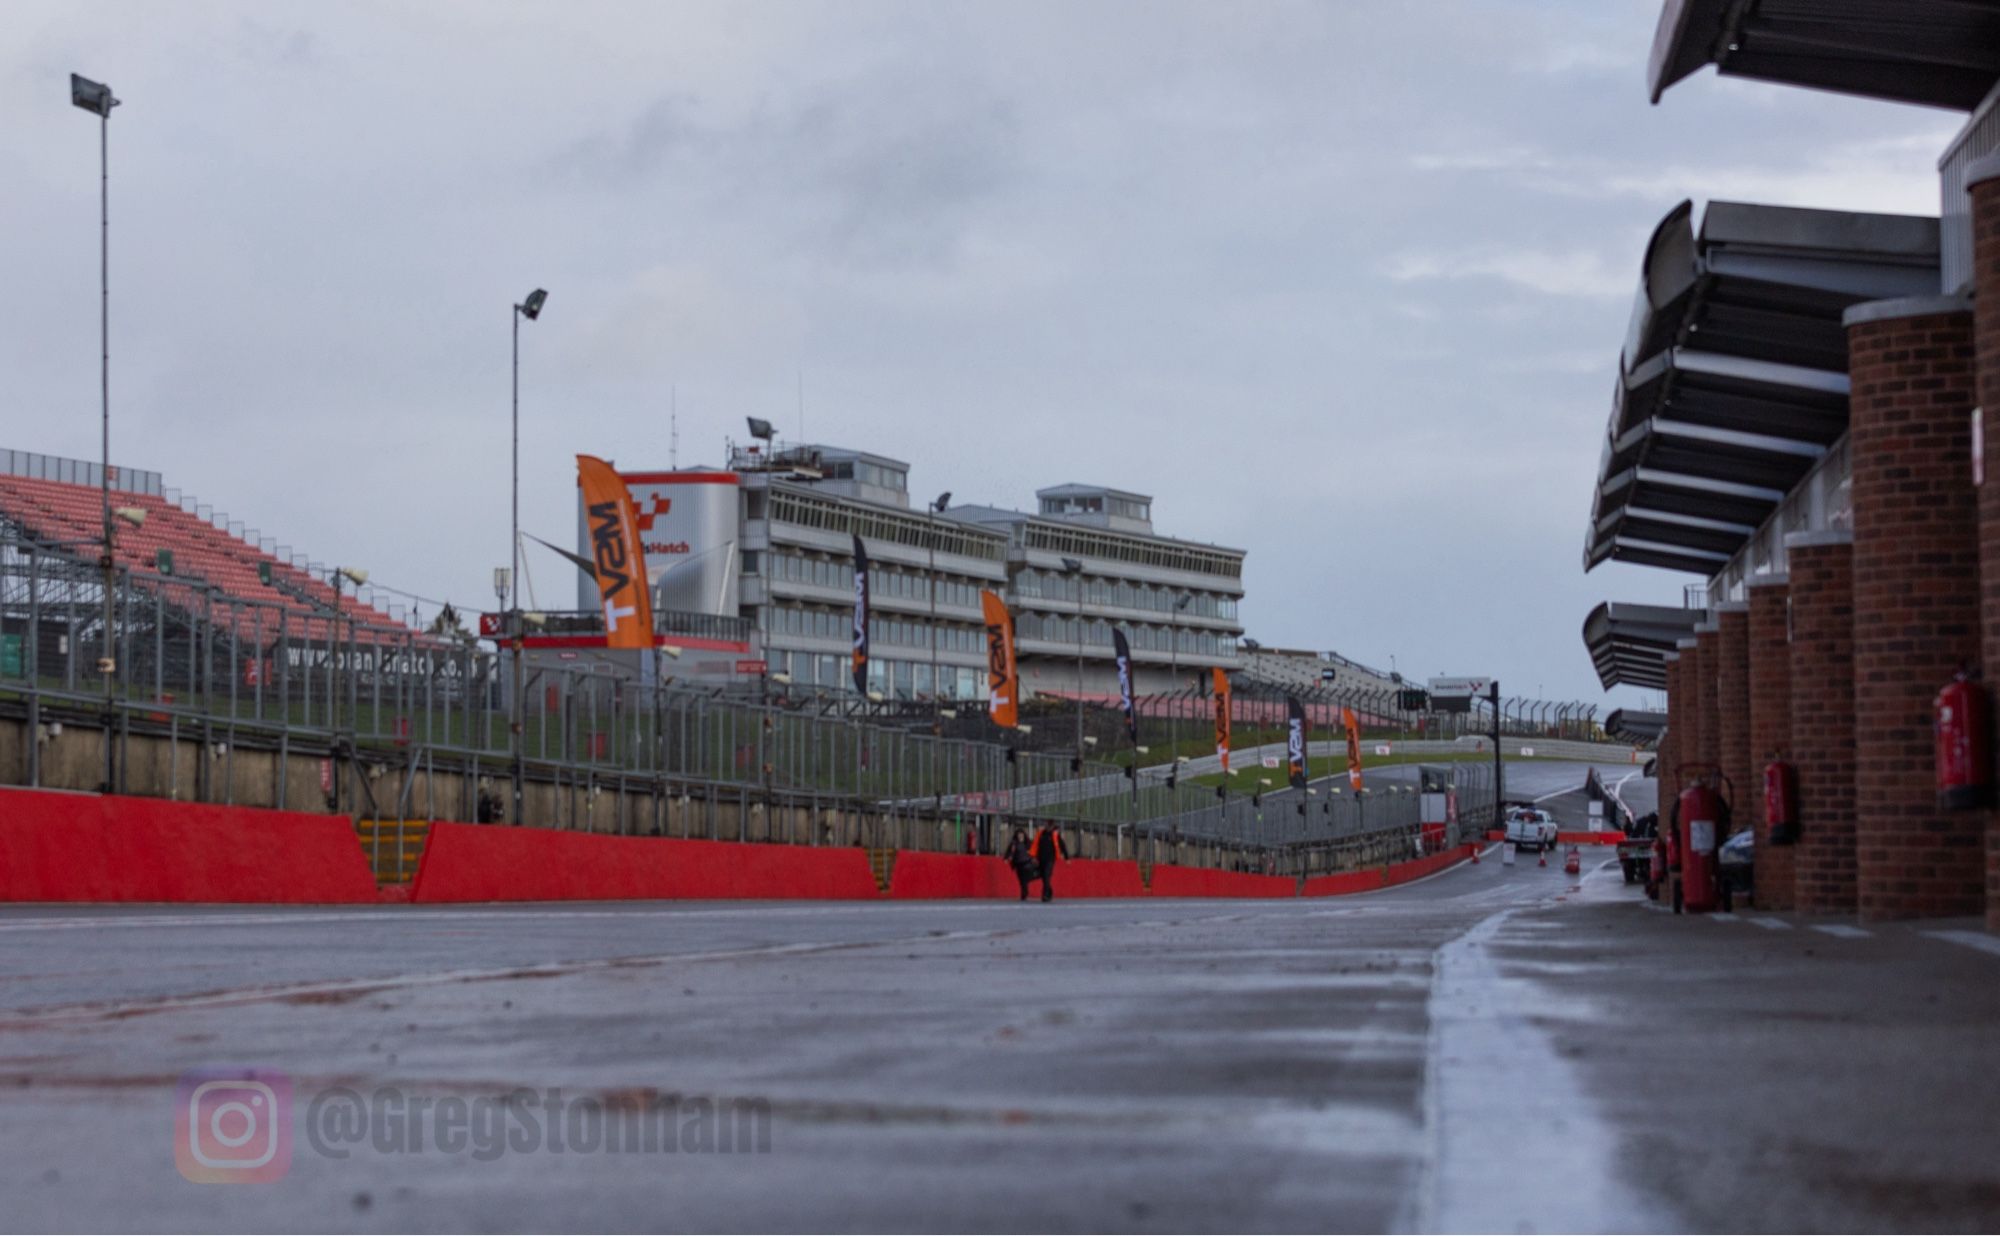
1531, 828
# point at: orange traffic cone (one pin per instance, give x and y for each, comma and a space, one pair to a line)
1542, 857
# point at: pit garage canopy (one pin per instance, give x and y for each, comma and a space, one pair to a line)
1733, 380
1628, 642
1944, 53
1632, 725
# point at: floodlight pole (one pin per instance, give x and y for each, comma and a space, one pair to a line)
1499, 768
937, 692
517, 721
107, 663
518, 710
1174, 660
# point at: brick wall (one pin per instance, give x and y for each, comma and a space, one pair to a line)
1770, 656
1732, 705
1986, 344
1688, 749
1822, 698
1916, 601
1667, 757
1707, 659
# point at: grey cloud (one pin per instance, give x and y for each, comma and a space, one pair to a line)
880, 172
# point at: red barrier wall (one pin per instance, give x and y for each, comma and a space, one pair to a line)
1418, 868
90, 847
920, 875
1097, 877
1207, 882
491, 862
1604, 838
1345, 882
1384, 877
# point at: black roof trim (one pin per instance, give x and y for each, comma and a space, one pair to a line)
1938, 53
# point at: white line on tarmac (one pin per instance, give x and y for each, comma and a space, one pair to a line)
1842, 930
1774, 924
1500, 1103
1723, 916
1971, 939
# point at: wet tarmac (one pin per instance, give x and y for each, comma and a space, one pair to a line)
1494, 1048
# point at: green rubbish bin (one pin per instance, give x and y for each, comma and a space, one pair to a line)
12, 662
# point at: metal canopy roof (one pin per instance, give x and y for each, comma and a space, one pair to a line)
1633, 725
1943, 53
1733, 381
1770, 282
1627, 642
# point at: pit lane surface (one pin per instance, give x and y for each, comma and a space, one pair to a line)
1122, 1064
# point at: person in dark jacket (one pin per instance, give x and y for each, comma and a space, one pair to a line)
1049, 848
1020, 856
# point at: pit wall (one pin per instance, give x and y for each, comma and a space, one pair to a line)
91, 848
199, 766
470, 862
66, 847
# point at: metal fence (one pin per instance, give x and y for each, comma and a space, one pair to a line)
193, 659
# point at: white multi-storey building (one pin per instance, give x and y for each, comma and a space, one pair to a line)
767, 546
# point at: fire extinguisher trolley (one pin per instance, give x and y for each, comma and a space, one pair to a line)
1700, 821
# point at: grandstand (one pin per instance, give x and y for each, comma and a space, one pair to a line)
1296, 669
173, 548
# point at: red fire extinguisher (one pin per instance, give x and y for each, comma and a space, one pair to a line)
1781, 801
1701, 818
1961, 724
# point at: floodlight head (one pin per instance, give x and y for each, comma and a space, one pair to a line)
761, 428
91, 96
874, 697
782, 679
134, 515
943, 501
531, 308
355, 574
502, 577
1072, 565
671, 650
1025, 729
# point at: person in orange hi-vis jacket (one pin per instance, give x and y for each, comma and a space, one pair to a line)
1049, 849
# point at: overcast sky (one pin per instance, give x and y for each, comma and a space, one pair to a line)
1341, 284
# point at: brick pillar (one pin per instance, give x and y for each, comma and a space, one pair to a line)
1687, 749
1770, 730
1664, 758
1707, 660
1822, 671
1983, 179
1916, 599
1732, 704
